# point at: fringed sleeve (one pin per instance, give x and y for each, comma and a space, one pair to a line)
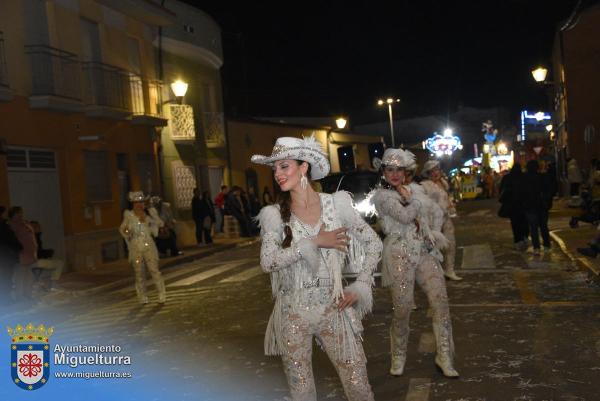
155, 222
272, 256
370, 251
387, 203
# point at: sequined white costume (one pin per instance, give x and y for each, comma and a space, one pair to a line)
408, 256
307, 286
142, 250
438, 192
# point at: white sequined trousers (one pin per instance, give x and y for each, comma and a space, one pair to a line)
316, 316
146, 255
428, 274
450, 251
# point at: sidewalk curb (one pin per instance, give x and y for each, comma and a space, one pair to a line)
583, 263
166, 265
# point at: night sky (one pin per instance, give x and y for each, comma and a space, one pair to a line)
331, 57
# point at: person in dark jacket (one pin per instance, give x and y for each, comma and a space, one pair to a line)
536, 202
253, 202
196, 215
207, 213
237, 206
511, 208
9, 257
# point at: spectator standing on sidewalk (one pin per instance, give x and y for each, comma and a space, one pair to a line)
10, 247
267, 198
46, 261
253, 202
22, 276
536, 202
206, 214
574, 176
237, 206
220, 207
511, 206
167, 238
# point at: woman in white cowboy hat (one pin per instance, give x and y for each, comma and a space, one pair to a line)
304, 243
436, 188
138, 227
407, 257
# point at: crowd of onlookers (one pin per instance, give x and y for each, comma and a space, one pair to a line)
24, 262
241, 205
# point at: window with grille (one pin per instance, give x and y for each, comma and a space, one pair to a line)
97, 176
30, 158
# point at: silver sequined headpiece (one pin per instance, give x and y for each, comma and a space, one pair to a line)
395, 157
137, 196
428, 166
307, 149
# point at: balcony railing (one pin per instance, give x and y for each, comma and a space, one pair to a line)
155, 98
106, 91
108, 86
54, 72
3, 70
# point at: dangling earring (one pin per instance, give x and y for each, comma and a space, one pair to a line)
303, 182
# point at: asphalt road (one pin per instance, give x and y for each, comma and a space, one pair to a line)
526, 328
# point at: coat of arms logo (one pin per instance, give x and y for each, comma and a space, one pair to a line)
30, 355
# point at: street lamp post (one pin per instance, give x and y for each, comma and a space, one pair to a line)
179, 88
390, 101
341, 122
540, 74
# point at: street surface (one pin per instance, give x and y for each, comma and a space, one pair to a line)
525, 328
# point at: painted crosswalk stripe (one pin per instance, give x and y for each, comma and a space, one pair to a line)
243, 276
478, 257
196, 278
418, 389
527, 294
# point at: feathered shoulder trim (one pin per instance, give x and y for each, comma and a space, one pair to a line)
380, 195
269, 219
343, 205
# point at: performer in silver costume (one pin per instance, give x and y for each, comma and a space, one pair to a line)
138, 227
408, 256
436, 188
305, 239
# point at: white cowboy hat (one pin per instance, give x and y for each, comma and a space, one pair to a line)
428, 166
136, 196
412, 160
395, 157
307, 149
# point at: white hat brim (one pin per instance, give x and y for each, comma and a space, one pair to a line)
319, 165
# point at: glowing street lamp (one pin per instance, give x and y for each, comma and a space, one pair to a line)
179, 88
539, 74
341, 122
389, 101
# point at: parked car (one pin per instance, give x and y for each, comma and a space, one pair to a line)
359, 184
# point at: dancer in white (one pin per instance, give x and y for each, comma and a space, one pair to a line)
407, 258
304, 247
436, 188
138, 228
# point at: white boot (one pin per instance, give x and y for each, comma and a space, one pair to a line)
445, 349
398, 362
452, 276
444, 362
398, 349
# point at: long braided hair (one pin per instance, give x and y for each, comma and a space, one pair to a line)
284, 200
